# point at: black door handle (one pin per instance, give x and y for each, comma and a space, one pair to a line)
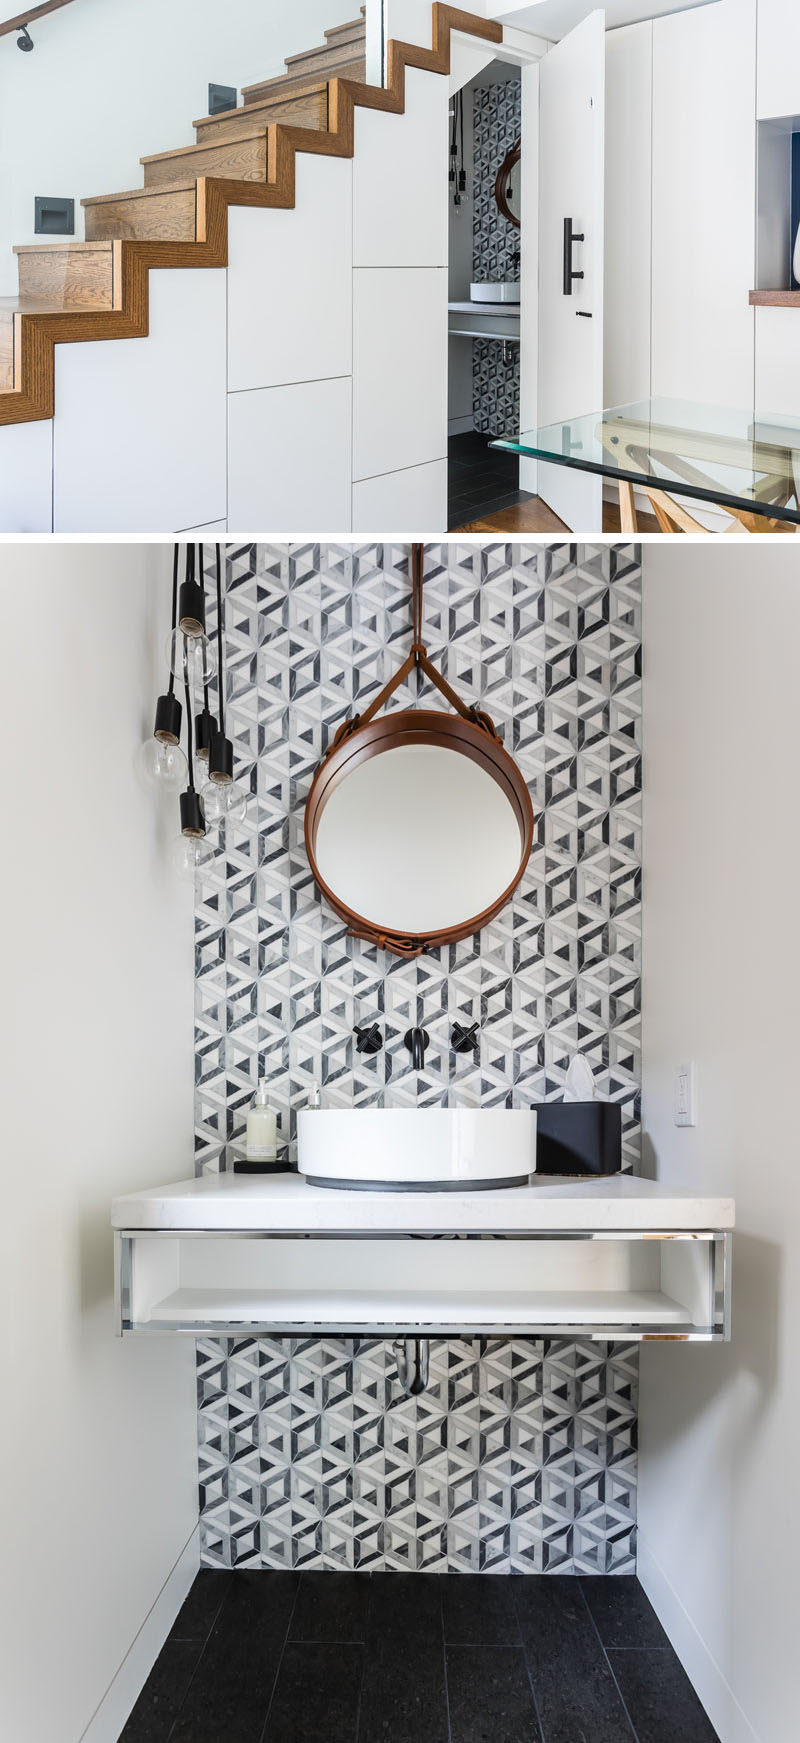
570, 238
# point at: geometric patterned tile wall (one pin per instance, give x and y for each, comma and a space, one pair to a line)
497, 124
519, 1455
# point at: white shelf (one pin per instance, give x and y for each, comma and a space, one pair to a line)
351, 1308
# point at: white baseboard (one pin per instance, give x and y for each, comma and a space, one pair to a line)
460, 426
705, 1675
121, 1695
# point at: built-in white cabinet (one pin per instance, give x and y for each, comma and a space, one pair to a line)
399, 368
26, 477
778, 58
290, 282
703, 203
139, 426
400, 203
412, 502
290, 458
778, 362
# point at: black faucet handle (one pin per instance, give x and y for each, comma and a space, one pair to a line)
369, 1038
464, 1037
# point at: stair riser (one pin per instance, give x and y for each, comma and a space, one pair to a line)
242, 160
80, 280
353, 69
311, 111
159, 217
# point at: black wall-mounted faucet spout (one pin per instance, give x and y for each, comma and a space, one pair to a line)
416, 1040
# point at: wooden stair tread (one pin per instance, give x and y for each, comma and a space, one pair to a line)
328, 55
138, 194
243, 158
358, 23
269, 107
164, 214
71, 247
355, 67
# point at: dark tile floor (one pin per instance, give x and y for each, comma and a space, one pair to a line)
416, 1658
480, 480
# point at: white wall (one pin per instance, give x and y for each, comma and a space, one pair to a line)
719, 1427
97, 1442
110, 81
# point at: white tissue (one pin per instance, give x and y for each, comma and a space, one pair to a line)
579, 1082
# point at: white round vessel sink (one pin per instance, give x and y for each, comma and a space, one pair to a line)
417, 1149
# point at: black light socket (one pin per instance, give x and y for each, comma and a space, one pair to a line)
192, 608
205, 727
168, 720
220, 759
193, 820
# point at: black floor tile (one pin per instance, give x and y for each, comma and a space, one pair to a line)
404, 1695
199, 1611
404, 1609
489, 1694
660, 1698
478, 1609
575, 1692
231, 1690
317, 1694
331, 1607
622, 1613
481, 480
159, 1702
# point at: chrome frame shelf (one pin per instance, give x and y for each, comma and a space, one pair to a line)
719, 1240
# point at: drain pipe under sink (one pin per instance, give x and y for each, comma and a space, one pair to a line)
413, 1360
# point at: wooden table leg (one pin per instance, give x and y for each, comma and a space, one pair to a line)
628, 522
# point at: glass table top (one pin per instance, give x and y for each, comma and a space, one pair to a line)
736, 459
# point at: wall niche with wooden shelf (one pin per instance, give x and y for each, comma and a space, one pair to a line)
777, 212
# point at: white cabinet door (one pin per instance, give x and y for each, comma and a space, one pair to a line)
290, 459
412, 503
399, 368
571, 191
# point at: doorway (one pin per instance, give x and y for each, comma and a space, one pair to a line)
483, 294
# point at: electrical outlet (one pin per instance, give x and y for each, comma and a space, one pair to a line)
685, 1095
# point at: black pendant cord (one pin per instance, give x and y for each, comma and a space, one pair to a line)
175, 560
189, 757
220, 665
206, 709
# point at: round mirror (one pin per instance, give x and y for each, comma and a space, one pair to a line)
507, 185
418, 827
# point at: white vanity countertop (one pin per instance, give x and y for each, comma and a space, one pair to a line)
285, 1202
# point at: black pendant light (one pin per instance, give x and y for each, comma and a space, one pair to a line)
161, 760
224, 799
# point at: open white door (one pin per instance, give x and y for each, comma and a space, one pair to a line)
571, 207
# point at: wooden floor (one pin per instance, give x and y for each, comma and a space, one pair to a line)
534, 516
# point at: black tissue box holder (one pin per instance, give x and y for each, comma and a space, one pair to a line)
578, 1137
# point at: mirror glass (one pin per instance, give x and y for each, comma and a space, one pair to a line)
418, 839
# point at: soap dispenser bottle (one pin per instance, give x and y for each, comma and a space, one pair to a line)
262, 1133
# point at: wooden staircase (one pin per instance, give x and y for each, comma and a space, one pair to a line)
98, 289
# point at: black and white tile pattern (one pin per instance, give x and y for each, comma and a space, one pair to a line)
519, 1456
